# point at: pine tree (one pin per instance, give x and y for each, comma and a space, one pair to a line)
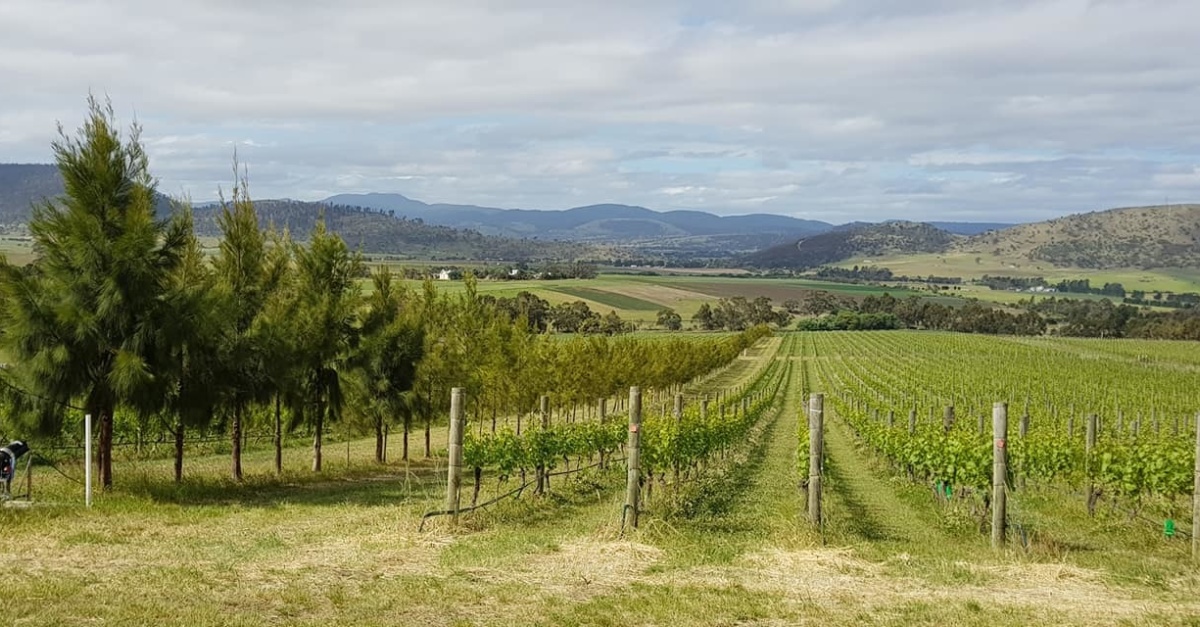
327, 301
246, 279
391, 343
80, 321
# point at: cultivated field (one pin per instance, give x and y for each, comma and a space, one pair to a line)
726, 543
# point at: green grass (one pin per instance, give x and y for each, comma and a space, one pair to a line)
343, 547
964, 265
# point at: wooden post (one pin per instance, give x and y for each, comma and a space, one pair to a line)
1022, 432
816, 433
980, 426
891, 421
912, 421
1196, 498
1070, 426
454, 480
704, 410
948, 418
999, 472
603, 410
1089, 444
633, 477
544, 410
678, 428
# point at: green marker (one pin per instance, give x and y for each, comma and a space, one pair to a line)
1169, 528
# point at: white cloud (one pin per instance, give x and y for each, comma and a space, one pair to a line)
857, 109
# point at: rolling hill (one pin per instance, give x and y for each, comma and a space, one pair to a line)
887, 238
693, 232
375, 232
1134, 237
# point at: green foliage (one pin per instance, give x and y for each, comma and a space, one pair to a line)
81, 322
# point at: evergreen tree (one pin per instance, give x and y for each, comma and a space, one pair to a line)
327, 300
246, 278
79, 322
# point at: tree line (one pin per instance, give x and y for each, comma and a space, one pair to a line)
122, 313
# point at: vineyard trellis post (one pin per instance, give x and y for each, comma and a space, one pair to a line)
999, 472
633, 456
678, 429
912, 421
948, 418
454, 451
1196, 497
816, 433
1089, 444
1022, 431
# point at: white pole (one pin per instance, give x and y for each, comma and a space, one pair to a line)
87, 459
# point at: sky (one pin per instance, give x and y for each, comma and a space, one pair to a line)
837, 110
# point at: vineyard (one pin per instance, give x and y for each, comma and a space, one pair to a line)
560, 514
1119, 430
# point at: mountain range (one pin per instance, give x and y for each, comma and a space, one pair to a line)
1139, 237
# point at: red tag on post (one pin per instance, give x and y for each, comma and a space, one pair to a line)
633, 428
999, 443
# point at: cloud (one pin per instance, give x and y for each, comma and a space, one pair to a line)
833, 109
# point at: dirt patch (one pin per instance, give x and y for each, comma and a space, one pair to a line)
660, 294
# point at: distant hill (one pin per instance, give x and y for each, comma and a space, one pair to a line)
406, 226
1135, 237
608, 223
887, 238
376, 232
970, 228
21, 185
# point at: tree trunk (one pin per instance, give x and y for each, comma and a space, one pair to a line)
428, 427
407, 428
278, 438
236, 440
178, 451
379, 439
106, 449
319, 425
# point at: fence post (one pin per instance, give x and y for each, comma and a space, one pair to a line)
948, 418
816, 432
999, 472
633, 477
454, 480
912, 421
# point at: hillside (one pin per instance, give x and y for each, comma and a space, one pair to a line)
1136, 237
868, 240
376, 232
693, 231
21, 185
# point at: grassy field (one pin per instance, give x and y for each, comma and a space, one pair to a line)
964, 265
344, 547
638, 298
